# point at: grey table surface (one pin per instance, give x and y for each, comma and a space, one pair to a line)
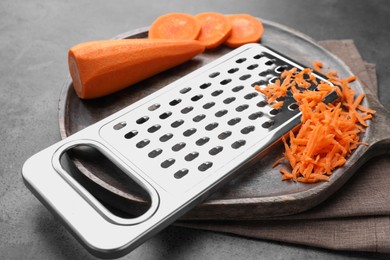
34, 39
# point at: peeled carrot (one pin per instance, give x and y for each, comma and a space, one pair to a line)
215, 29
178, 26
100, 68
245, 29
328, 133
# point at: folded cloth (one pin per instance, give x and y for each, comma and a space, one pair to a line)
357, 217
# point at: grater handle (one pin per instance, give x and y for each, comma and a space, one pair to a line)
99, 231
56, 162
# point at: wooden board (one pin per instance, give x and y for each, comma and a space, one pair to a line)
259, 191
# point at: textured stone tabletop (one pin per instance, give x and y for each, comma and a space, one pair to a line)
34, 39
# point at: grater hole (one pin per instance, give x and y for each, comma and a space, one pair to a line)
142, 120
202, 141
180, 173
268, 124
217, 93
241, 108
251, 95
167, 163
247, 130
131, 134
237, 88
258, 56
245, 77
224, 135
269, 62
143, 143
225, 81
189, 132
196, 97
216, 150
232, 70
229, 100
214, 74
119, 126
265, 73
293, 106
199, 118
177, 147
205, 166
306, 77
281, 98
259, 83
153, 107
272, 80
221, 113
155, 153
166, 137
211, 126
185, 90
154, 128
274, 112
187, 109
208, 105
165, 115
191, 156
241, 60
238, 144
175, 102
177, 123
255, 115
253, 66
280, 69
205, 85
262, 103
234, 121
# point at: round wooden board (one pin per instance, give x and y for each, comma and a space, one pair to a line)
258, 192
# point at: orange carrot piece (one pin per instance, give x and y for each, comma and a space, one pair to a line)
366, 110
328, 133
103, 67
215, 29
179, 26
277, 105
318, 65
286, 175
278, 161
245, 29
351, 79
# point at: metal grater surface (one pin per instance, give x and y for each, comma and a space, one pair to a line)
196, 127
179, 144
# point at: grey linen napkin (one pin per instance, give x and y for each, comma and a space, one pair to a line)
357, 217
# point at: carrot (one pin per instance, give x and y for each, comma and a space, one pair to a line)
100, 68
215, 29
245, 29
318, 65
178, 26
328, 133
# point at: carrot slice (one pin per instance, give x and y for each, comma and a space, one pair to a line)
215, 29
245, 29
178, 26
100, 68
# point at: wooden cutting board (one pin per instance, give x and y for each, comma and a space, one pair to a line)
259, 191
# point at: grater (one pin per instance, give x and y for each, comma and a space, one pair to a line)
178, 144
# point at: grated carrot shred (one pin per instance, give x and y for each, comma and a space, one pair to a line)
328, 133
318, 65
